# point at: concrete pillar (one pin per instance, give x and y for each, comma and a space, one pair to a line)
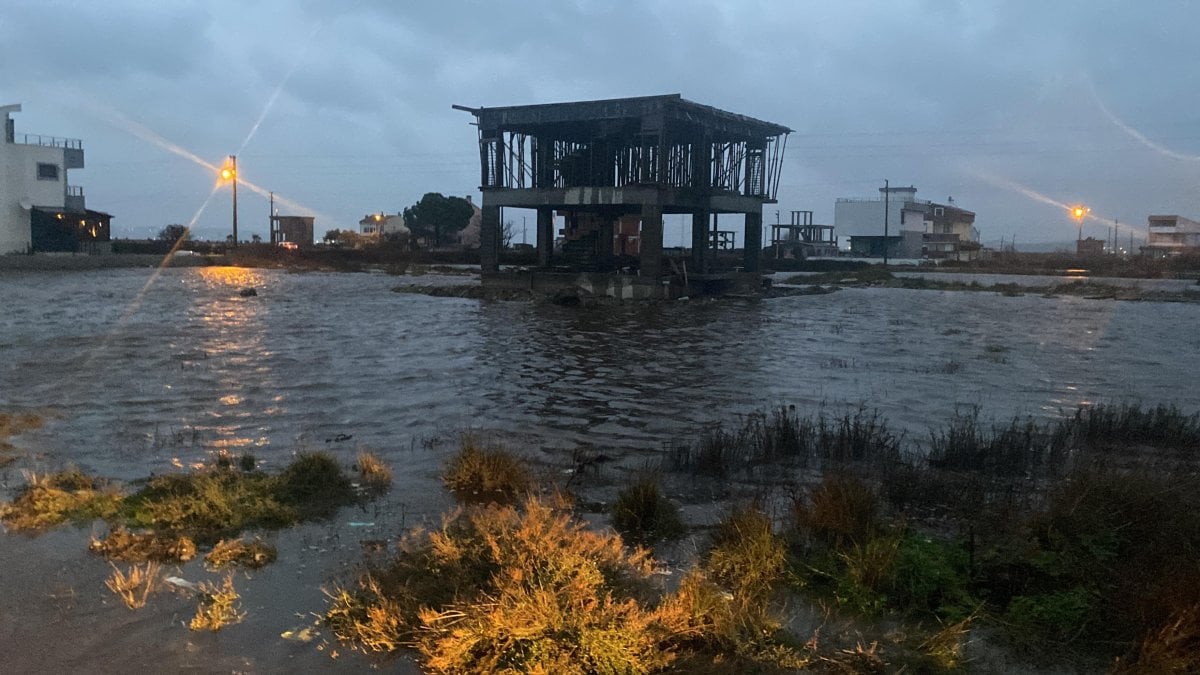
652, 240
489, 239
545, 235
752, 242
604, 242
700, 242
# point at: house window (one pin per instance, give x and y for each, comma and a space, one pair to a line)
939, 211
47, 171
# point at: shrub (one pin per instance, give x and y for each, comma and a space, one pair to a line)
643, 515
314, 485
475, 475
841, 510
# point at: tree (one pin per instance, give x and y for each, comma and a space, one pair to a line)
436, 217
331, 236
173, 232
257, 239
507, 233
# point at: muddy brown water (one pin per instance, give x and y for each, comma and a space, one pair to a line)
139, 377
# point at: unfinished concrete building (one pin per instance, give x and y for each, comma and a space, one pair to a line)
599, 163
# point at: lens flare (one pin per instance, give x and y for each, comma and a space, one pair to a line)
1070, 209
1137, 135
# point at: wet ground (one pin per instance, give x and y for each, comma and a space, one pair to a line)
140, 377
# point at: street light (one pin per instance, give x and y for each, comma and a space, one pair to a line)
1078, 212
229, 173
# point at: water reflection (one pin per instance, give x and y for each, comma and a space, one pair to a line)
317, 356
630, 375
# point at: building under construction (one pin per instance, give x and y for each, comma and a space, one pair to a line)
604, 164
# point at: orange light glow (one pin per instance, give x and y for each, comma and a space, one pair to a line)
1078, 212
227, 174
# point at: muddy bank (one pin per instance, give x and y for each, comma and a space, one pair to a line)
1092, 290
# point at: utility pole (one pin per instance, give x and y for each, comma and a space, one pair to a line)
271, 219
523, 239
233, 159
887, 199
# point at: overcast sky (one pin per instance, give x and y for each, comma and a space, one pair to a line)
1006, 105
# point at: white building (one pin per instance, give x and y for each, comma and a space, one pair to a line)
39, 209
1172, 235
915, 228
383, 225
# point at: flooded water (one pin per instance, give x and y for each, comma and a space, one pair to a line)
138, 377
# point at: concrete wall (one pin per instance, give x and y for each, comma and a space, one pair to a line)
865, 218
19, 181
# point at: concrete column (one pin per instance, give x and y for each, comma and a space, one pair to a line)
545, 235
752, 242
652, 240
489, 239
604, 242
700, 242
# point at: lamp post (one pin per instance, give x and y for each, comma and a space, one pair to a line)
230, 173
1078, 212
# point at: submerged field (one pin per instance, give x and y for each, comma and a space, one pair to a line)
128, 384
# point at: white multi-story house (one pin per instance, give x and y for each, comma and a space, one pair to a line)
1172, 235
39, 209
915, 228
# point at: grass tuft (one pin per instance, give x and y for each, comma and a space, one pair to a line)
476, 475
252, 554
56, 498
375, 474
121, 544
643, 515
218, 606
135, 586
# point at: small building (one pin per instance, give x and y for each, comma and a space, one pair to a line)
296, 230
382, 226
1089, 247
40, 211
1171, 236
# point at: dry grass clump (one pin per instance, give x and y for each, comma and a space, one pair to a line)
642, 514
747, 555
218, 606
500, 588
375, 474
252, 554
531, 589
842, 509
135, 586
56, 498
121, 544
476, 475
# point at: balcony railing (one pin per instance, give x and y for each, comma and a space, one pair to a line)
74, 190
51, 141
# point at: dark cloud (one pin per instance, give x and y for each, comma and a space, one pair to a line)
929, 92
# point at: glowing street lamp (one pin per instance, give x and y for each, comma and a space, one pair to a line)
1078, 212
229, 173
